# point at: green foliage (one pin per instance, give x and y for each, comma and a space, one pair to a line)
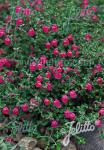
66, 14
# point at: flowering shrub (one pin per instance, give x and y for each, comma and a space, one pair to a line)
51, 66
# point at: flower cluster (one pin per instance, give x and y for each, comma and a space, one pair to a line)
89, 11
40, 73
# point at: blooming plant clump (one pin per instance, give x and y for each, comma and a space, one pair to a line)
51, 70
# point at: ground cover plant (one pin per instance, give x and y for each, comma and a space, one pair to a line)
51, 66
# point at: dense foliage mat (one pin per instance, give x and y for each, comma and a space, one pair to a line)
51, 66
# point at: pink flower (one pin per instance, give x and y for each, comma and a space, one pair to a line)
19, 22
48, 86
63, 54
88, 37
98, 68
2, 32
54, 124
18, 9
59, 70
38, 2
69, 54
75, 47
54, 28
9, 139
27, 11
65, 99
85, 3
70, 37
1, 79
45, 29
43, 59
15, 111
72, 94
72, 116
46, 102
5, 111
5, 62
98, 123
60, 63
89, 87
33, 66
69, 115
7, 41
56, 103
101, 112
38, 84
39, 66
94, 8
54, 42
24, 107
94, 18
48, 45
66, 42
39, 78
48, 75
55, 52
31, 32
99, 80
58, 75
